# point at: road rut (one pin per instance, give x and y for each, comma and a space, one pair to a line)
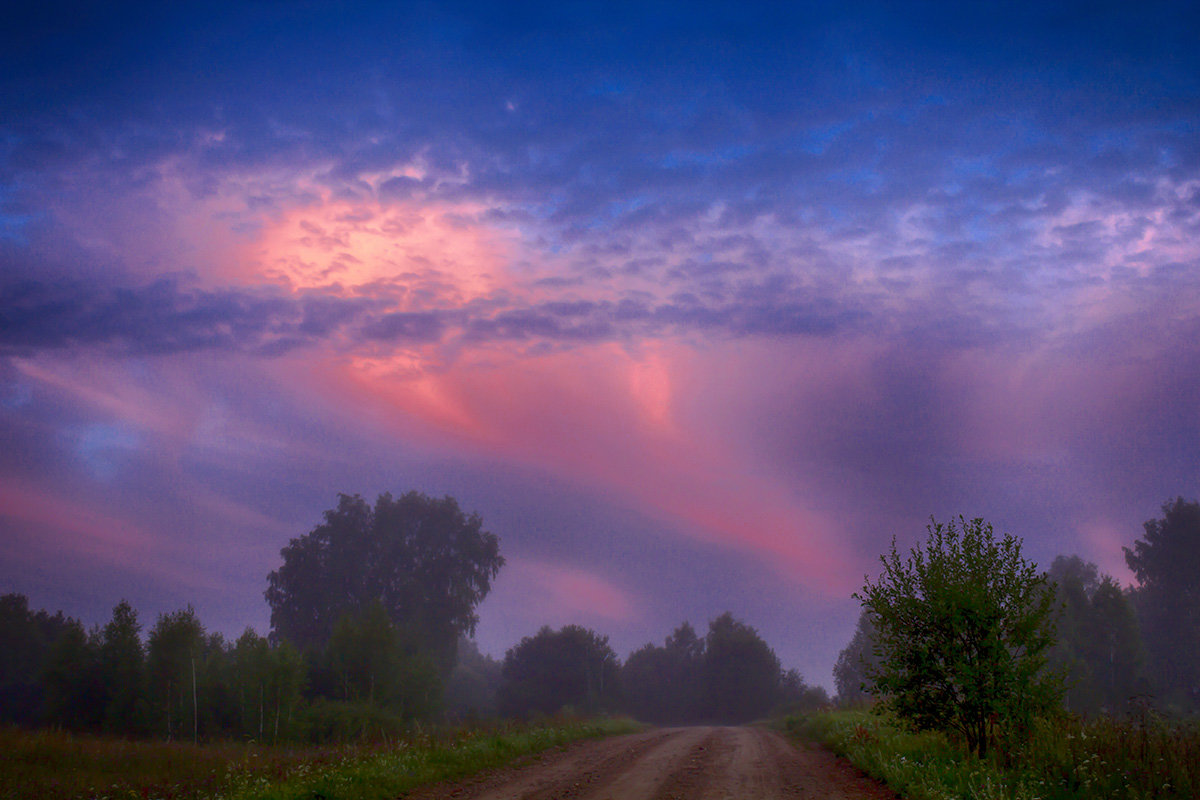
701, 763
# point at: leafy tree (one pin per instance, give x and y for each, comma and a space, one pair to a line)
741, 672
470, 690
551, 670
365, 654
685, 651
854, 662
963, 626
797, 697
1116, 649
20, 653
175, 645
1099, 650
123, 672
26, 639
731, 675
664, 685
284, 680
427, 562
417, 692
267, 682
216, 699
251, 676
376, 665
71, 677
1166, 562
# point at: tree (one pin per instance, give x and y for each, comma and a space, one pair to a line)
1098, 650
71, 678
797, 697
854, 662
26, 639
664, 685
364, 652
267, 681
216, 703
429, 564
1166, 562
963, 626
175, 644
251, 670
123, 672
1116, 650
573, 667
741, 672
470, 690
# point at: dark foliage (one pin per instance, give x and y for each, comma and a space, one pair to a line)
573, 667
730, 676
664, 685
423, 559
855, 663
471, 689
741, 672
1099, 646
1166, 562
26, 639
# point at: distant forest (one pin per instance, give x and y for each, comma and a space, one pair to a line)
373, 610
183, 683
371, 614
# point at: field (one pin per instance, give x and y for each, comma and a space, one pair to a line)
1064, 759
48, 765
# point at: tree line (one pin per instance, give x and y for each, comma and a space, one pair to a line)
729, 676
964, 635
371, 617
180, 682
372, 613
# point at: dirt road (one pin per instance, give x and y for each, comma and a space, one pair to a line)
692, 763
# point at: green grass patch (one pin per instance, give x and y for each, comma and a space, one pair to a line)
1064, 759
412, 763
46, 765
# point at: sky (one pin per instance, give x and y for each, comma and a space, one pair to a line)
698, 305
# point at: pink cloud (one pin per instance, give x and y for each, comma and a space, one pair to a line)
427, 254
52, 524
565, 594
90, 531
1105, 541
608, 419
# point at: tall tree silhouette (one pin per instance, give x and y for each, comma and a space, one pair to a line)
741, 671
1167, 562
123, 671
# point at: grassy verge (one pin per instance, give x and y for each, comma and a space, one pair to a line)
1065, 759
407, 765
55, 766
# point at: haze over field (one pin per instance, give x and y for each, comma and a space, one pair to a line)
696, 306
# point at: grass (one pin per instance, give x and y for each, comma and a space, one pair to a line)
1065, 759
48, 765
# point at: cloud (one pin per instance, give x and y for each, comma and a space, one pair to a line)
776, 283
168, 316
162, 317
562, 594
